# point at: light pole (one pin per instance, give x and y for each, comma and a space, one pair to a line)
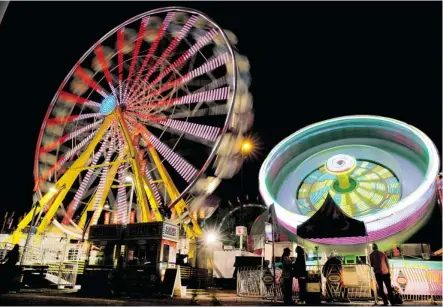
28, 237
130, 179
208, 240
247, 148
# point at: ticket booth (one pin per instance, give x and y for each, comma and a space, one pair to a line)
144, 250
104, 245
151, 244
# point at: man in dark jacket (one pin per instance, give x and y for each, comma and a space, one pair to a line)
300, 272
287, 276
379, 261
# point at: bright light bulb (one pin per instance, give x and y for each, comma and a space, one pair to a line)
128, 178
246, 146
211, 238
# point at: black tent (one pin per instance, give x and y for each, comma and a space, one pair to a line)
331, 222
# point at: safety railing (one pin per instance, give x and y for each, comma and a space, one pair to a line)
343, 282
62, 264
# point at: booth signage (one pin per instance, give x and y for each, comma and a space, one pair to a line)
105, 232
268, 279
144, 230
241, 231
170, 231
417, 277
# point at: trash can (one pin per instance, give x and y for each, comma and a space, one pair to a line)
313, 290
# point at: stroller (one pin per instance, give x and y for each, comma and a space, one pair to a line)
398, 300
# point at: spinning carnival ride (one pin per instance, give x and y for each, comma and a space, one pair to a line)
378, 170
137, 122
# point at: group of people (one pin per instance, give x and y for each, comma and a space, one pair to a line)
297, 269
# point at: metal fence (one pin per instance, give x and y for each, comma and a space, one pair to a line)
63, 262
347, 282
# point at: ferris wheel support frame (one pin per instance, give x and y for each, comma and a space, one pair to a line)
62, 185
65, 182
135, 164
171, 189
108, 183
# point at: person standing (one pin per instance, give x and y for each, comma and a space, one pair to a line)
379, 261
287, 276
299, 272
9, 270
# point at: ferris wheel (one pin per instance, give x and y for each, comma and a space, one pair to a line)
238, 207
136, 123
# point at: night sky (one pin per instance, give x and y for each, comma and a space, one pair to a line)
309, 62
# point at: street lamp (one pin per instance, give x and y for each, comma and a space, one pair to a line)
247, 146
210, 238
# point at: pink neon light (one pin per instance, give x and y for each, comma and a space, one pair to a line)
153, 47
203, 131
81, 73
71, 98
139, 40
104, 65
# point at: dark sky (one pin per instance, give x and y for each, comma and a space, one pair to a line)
309, 62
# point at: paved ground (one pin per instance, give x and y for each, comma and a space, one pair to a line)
226, 298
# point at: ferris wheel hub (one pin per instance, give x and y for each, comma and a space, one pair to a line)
108, 105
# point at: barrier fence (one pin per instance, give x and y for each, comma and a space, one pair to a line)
62, 263
345, 282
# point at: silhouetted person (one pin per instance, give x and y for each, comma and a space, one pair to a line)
12, 257
9, 268
299, 272
287, 276
117, 277
379, 261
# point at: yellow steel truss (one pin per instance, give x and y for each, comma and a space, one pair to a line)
135, 163
62, 186
54, 197
181, 206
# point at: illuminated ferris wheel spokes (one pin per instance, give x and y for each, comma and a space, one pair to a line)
171, 82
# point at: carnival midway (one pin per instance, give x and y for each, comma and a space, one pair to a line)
119, 210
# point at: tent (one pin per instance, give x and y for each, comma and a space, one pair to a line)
331, 222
